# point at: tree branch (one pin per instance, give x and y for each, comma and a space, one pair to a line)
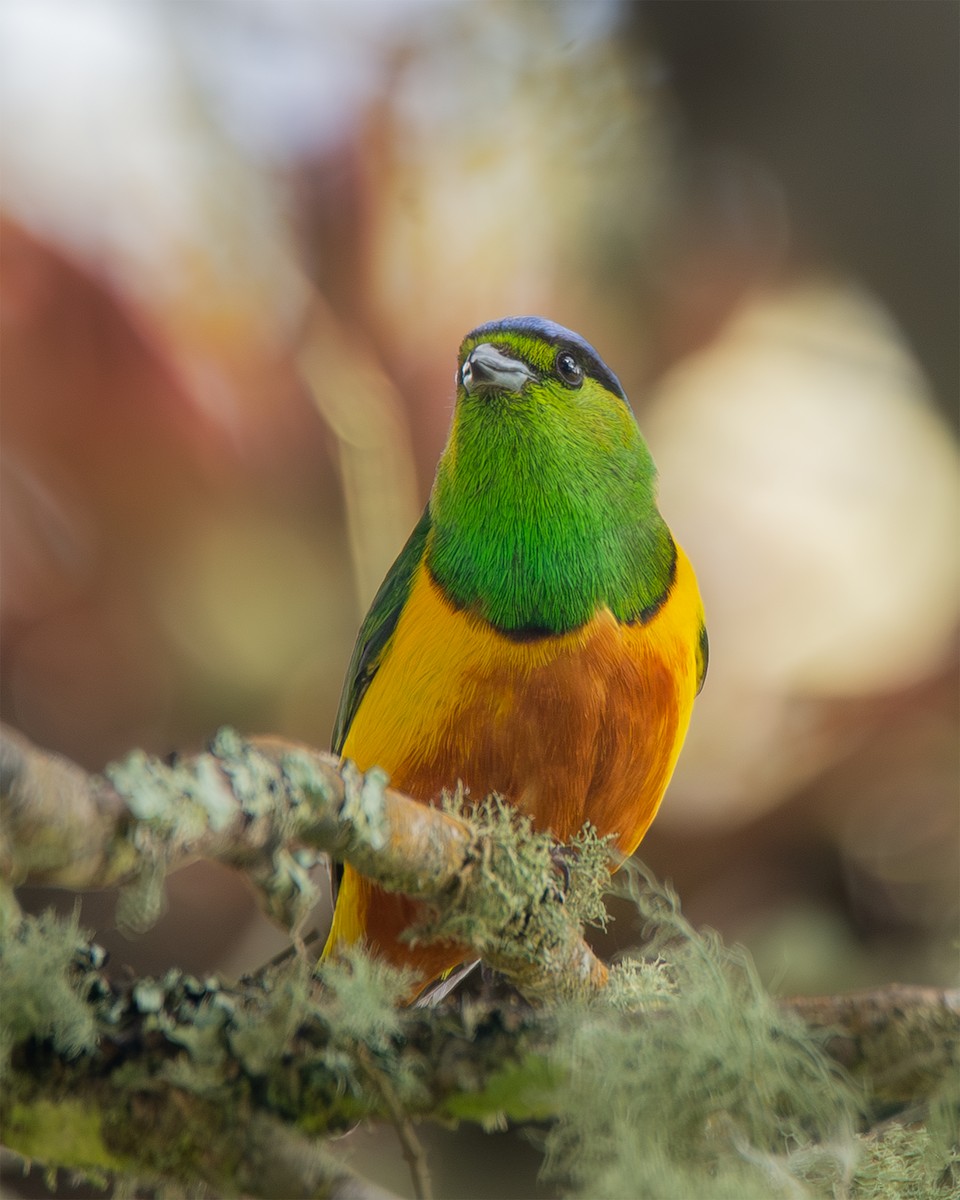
181, 1080
898, 1037
184, 1081
262, 805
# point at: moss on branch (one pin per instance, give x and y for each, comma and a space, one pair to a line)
682, 1070
679, 1076
269, 808
165, 1078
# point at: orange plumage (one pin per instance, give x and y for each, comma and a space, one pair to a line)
585, 726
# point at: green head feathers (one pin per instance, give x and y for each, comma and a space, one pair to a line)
544, 506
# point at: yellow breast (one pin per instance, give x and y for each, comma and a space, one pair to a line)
587, 725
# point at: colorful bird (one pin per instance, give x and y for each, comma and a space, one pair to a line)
541, 634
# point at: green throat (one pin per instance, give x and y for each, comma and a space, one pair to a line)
544, 510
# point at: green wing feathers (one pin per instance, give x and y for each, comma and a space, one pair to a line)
703, 657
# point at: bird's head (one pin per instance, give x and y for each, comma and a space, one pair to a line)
536, 361
544, 503
527, 387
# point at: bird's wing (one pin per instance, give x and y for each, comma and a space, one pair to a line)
372, 641
703, 657
377, 629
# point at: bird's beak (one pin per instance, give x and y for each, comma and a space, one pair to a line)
487, 368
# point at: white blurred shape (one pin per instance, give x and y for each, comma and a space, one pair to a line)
105, 150
84, 90
287, 80
818, 494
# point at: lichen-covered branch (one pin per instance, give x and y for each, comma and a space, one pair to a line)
680, 1070
268, 807
185, 1080
899, 1036
60, 825
247, 803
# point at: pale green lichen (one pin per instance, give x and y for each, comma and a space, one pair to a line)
705, 1080
180, 801
254, 778
640, 985
681, 1078
175, 805
700, 1085
302, 779
261, 1039
289, 892
172, 809
511, 878
589, 864
10, 912
906, 1163
41, 996
216, 800
361, 998
362, 809
143, 901
145, 791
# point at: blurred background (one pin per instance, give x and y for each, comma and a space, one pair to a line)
240, 245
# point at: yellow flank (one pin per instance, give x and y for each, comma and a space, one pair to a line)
583, 726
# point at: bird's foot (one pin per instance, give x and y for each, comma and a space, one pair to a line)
563, 857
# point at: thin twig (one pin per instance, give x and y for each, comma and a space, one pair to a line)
410, 1144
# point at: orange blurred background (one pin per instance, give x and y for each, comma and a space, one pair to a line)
240, 245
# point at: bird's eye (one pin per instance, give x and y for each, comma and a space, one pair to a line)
569, 369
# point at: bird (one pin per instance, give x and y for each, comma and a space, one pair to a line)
541, 634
